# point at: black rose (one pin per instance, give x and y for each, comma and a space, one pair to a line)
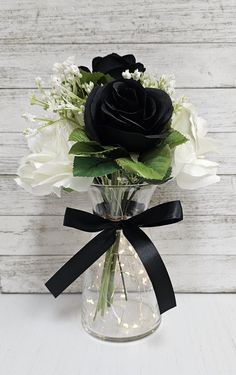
115, 64
124, 113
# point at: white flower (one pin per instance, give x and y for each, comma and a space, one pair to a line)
38, 81
67, 71
49, 166
136, 75
190, 168
29, 117
126, 74
88, 87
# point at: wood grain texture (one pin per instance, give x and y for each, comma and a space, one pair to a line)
217, 199
194, 40
197, 338
115, 21
14, 147
189, 273
217, 106
194, 65
45, 235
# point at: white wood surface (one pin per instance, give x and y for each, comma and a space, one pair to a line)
194, 65
110, 21
193, 40
40, 335
189, 273
45, 235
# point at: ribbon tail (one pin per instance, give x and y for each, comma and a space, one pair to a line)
82, 260
154, 266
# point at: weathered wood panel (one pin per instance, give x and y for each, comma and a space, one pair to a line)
112, 21
193, 40
45, 235
217, 106
189, 273
217, 199
14, 147
196, 65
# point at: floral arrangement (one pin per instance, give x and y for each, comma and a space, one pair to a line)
114, 125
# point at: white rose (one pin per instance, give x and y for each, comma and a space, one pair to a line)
49, 166
190, 168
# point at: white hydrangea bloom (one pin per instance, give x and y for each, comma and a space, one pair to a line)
48, 168
190, 168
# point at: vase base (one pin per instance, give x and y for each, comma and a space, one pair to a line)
123, 339
124, 321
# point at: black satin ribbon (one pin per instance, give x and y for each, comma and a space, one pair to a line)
163, 214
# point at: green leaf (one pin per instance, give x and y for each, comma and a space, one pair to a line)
165, 179
159, 159
79, 135
153, 165
93, 167
95, 77
68, 190
85, 148
175, 138
139, 169
89, 148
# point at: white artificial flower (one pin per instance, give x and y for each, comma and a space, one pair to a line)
190, 168
167, 83
39, 81
88, 87
29, 117
67, 71
136, 75
49, 166
126, 74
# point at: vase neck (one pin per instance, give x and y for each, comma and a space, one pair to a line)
120, 202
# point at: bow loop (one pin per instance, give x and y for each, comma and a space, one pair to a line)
85, 221
163, 214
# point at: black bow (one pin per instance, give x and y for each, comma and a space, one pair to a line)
163, 214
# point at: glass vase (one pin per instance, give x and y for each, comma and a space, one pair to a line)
119, 303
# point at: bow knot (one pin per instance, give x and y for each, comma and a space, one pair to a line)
163, 214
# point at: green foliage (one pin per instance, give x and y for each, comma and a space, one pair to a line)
93, 166
95, 77
94, 160
153, 165
90, 148
79, 135
175, 138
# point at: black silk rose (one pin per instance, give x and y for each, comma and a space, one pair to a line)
126, 114
115, 64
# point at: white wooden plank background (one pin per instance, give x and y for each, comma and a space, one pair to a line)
112, 21
193, 40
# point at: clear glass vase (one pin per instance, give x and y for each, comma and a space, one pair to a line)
119, 303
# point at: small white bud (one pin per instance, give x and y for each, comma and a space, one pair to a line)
126, 74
